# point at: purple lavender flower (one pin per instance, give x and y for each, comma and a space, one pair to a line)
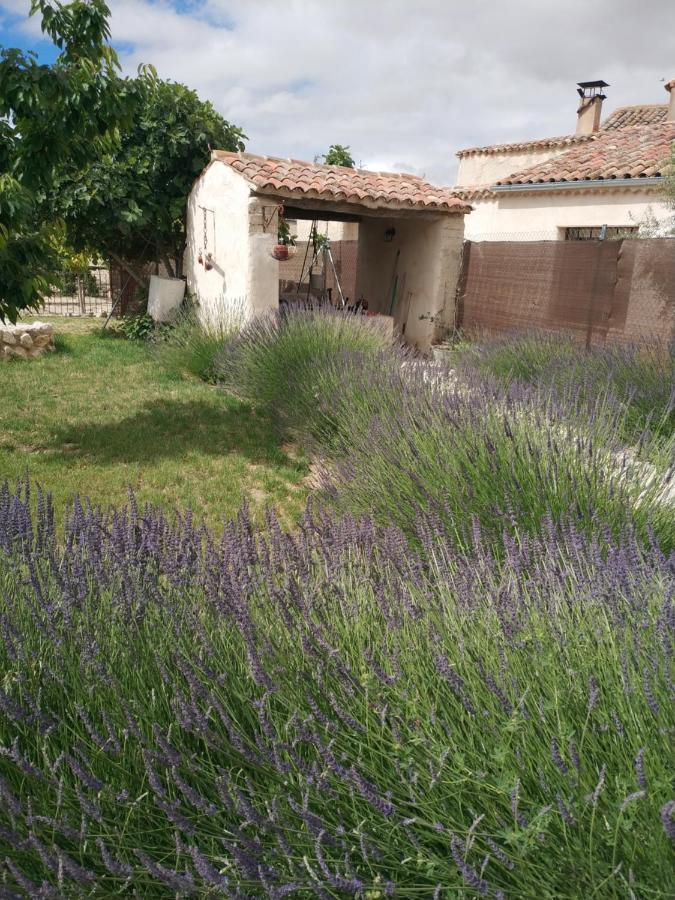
640, 769
668, 819
469, 875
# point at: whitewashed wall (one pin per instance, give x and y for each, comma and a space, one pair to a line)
244, 278
540, 215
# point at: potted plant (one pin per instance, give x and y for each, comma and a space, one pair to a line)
285, 240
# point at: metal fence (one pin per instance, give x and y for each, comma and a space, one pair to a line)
87, 293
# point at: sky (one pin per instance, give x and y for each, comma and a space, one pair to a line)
404, 84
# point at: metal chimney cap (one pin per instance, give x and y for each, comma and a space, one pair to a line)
592, 84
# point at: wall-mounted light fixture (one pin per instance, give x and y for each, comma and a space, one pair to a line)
389, 235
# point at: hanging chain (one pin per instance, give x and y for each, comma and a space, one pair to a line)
206, 240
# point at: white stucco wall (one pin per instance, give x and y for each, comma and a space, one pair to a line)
244, 278
487, 168
540, 215
427, 269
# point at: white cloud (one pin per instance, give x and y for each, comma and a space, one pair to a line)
404, 84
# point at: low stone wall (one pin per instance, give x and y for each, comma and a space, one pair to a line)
26, 341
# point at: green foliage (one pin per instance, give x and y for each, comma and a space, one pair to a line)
641, 377
275, 362
136, 328
50, 115
189, 345
130, 198
284, 235
339, 155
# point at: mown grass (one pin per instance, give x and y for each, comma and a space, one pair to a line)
102, 415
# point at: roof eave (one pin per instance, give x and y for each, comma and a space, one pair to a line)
637, 181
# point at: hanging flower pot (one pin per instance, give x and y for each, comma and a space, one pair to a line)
280, 251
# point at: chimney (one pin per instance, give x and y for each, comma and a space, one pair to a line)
670, 87
590, 109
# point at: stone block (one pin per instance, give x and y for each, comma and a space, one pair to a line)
26, 340
19, 352
7, 337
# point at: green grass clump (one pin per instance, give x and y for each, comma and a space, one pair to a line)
190, 344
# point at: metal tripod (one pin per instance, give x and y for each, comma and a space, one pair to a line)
327, 259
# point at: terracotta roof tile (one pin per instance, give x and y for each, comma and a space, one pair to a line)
389, 190
623, 117
628, 116
565, 140
636, 152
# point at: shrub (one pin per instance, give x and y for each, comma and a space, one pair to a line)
277, 359
191, 344
641, 377
506, 458
136, 328
330, 714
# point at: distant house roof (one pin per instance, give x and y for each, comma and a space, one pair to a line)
565, 140
297, 179
633, 152
627, 116
623, 117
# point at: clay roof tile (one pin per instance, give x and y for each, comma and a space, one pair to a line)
388, 189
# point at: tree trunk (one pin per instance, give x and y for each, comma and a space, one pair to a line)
137, 276
166, 259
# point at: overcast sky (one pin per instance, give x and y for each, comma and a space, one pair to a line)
406, 83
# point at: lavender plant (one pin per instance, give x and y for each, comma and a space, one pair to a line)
506, 457
275, 361
330, 713
398, 433
640, 376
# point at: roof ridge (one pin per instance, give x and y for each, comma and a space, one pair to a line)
306, 162
639, 106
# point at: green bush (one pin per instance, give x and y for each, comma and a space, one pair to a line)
136, 328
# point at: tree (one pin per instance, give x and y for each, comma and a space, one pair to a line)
339, 155
49, 114
129, 201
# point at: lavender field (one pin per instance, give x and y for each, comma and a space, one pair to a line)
452, 679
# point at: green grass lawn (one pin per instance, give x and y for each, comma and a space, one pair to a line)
101, 415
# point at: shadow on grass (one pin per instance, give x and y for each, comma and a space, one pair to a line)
171, 429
